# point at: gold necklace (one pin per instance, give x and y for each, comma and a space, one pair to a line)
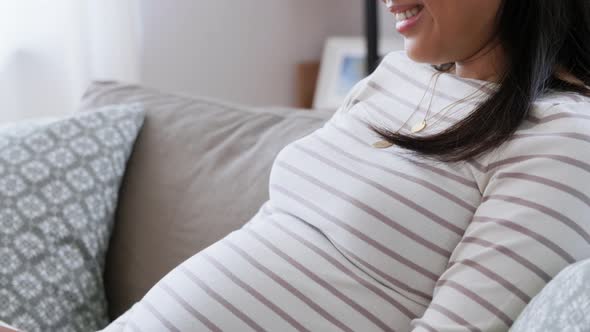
421, 125
418, 127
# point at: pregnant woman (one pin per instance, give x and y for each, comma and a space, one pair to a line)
447, 190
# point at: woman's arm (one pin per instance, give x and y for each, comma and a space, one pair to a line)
533, 221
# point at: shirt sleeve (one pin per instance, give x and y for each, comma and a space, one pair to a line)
533, 221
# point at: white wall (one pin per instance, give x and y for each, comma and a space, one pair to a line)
39, 58
50, 50
242, 51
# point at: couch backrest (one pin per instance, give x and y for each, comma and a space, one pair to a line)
199, 170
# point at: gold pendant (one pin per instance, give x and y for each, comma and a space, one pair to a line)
382, 144
418, 127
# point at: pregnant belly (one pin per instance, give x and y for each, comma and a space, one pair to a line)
278, 274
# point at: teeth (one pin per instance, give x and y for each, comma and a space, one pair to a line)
407, 14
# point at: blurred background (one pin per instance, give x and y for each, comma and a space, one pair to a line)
253, 52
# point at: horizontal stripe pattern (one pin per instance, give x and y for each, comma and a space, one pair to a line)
355, 238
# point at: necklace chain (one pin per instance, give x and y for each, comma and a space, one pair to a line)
420, 126
423, 124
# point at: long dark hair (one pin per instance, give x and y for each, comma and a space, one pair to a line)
538, 36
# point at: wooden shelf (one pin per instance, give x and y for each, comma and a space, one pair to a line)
307, 75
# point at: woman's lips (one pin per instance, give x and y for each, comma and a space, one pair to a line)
406, 16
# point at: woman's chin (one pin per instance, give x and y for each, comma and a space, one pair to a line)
418, 53
415, 51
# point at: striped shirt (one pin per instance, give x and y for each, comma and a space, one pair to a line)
358, 238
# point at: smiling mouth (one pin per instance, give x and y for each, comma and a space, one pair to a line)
407, 14
402, 13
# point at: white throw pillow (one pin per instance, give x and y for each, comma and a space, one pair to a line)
563, 305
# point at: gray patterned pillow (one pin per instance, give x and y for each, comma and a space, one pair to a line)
59, 184
562, 305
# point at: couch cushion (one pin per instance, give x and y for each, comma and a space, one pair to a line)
199, 170
59, 182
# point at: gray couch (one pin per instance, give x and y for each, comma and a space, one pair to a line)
199, 170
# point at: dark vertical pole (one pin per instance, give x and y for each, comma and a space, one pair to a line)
372, 34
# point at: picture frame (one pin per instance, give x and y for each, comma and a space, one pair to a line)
342, 66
